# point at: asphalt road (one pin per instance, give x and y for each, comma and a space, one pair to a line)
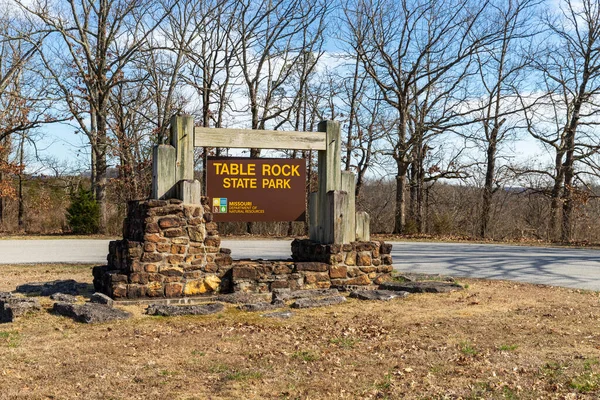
577, 268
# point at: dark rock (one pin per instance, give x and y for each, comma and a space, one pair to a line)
171, 311
67, 298
278, 314
68, 286
12, 307
5, 295
262, 306
242, 298
283, 294
325, 301
311, 266
421, 287
414, 277
90, 313
383, 295
101, 298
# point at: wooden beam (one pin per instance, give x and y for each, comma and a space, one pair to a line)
349, 186
163, 171
182, 138
329, 171
334, 230
188, 191
363, 229
313, 215
258, 139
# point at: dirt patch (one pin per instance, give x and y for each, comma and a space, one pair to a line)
493, 340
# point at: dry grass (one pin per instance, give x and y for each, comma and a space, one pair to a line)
494, 340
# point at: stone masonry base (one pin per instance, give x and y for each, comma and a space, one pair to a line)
172, 250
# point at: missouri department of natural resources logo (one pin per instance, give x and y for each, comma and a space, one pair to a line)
219, 205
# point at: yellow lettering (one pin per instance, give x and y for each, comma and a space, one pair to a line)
295, 171
225, 169
226, 183
217, 165
233, 169
286, 184
266, 170
285, 170
251, 168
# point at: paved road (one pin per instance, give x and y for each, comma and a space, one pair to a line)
553, 266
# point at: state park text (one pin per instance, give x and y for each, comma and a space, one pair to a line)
240, 176
256, 189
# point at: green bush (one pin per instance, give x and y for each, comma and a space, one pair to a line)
84, 213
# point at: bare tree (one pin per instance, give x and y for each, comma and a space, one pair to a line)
25, 99
410, 47
565, 117
500, 70
272, 39
95, 41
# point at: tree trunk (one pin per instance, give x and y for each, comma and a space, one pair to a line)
568, 206
21, 161
488, 189
400, 214
556, 201
101, 172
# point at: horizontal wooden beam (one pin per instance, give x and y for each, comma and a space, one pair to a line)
257, 139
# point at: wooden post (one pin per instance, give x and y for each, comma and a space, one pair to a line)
188, 191
349, 210
182, 138
329, 172
334, 229
363, 229
313, 217
163, 171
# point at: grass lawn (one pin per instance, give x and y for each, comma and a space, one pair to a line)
494, 340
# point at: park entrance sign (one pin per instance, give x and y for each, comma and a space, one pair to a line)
263, 189
171, 245
256, 189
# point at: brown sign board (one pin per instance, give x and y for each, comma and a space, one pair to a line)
256, 189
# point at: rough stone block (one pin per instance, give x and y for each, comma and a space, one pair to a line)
119, 291
368, 270
381, 295
263, 306
169, 222
363, 258
314, 277
385, 248
312, 266
338, 271
171, 310
311, 303
175, 232
174, 289
140, 278
223, 260
196, 233
170, 270
90, 312
359, 280
152, 257
135, 291
155, 289
12, 307
101, 298
422, 287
